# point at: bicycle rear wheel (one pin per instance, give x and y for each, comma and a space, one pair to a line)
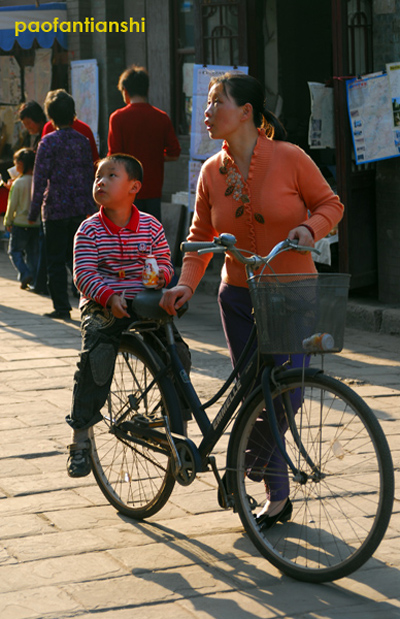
340, 514
134, 478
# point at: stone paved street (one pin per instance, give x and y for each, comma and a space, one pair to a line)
65, 552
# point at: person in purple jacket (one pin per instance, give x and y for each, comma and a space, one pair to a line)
62, 191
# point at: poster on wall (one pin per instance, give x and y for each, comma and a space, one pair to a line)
10, 81
393, 72
37, 79
373, 104
321, 130
85, 91
201, 146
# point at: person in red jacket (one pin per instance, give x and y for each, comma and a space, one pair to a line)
145, 132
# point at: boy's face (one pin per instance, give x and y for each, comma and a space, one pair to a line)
112, 187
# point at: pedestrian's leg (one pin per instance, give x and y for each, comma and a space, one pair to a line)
74, 223
236, 315
32, 250
16, 251
40, 280
56, 235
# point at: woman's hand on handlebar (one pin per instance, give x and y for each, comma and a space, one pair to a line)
303, 235
174, 298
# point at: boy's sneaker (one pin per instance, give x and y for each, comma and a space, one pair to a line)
79, 463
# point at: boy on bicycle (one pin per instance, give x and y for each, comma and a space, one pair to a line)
109, 253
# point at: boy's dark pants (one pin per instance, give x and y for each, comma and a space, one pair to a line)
101, 333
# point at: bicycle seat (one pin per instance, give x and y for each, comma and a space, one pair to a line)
146, 305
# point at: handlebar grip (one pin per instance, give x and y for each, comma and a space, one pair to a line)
182, 309
188, 246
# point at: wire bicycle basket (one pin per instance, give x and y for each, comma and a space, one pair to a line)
300, 313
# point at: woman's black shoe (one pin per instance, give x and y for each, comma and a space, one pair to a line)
266, 522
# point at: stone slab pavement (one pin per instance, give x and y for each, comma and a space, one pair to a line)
65, 552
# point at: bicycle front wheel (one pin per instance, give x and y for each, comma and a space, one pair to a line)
134, 478
341, 502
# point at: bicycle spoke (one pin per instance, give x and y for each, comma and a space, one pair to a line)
134, 478
339, 514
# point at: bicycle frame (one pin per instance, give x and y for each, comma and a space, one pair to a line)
212, 430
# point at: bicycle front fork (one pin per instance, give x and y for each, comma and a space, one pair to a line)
299, 476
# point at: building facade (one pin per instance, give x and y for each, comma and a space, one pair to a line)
285, 44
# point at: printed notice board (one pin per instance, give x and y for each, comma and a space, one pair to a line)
374, 112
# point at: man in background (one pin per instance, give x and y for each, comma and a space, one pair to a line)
145, 132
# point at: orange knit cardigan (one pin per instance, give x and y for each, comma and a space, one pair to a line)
284, 189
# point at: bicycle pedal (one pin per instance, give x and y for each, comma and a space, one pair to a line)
147, 422
156, 423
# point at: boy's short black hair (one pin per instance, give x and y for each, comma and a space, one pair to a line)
60, 107
27, 157
32, 110
135, 80
133, 167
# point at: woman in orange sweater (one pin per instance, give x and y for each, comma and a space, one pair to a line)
263, 190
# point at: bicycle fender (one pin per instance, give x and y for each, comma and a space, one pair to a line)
297, 372
144, 348
175, 410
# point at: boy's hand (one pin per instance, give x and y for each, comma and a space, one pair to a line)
161, 281
118, 305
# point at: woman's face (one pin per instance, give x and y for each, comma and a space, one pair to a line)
31, 126
222, 116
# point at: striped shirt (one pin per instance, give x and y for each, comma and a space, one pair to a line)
109, 259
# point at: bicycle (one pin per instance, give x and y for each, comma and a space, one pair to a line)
315, 427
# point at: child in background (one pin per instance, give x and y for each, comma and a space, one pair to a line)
23, 246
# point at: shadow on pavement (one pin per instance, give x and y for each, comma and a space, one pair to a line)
273, 592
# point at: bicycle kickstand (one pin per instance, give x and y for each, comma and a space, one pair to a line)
225, 501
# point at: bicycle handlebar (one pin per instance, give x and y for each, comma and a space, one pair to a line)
201, 245
226, 242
